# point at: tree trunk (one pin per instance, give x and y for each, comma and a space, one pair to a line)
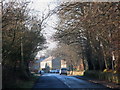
118, 62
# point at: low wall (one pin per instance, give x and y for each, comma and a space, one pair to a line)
76, 72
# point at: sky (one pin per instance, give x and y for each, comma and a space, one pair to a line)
40, 6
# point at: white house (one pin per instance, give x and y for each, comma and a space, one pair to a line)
63, 64
52, 63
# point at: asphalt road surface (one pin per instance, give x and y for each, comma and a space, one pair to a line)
48, 81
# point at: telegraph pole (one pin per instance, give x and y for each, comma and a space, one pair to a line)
111, 49
21, 52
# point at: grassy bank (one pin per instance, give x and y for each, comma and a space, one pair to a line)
108, 76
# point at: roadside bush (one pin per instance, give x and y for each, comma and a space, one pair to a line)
92, 74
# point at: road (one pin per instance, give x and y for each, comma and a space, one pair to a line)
68, 82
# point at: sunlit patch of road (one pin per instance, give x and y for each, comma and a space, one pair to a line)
50, 74
37, 74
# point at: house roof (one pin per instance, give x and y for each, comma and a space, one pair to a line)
41, 59
57, 58
51, 58
48, 59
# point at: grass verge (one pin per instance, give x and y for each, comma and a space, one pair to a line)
27, 84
